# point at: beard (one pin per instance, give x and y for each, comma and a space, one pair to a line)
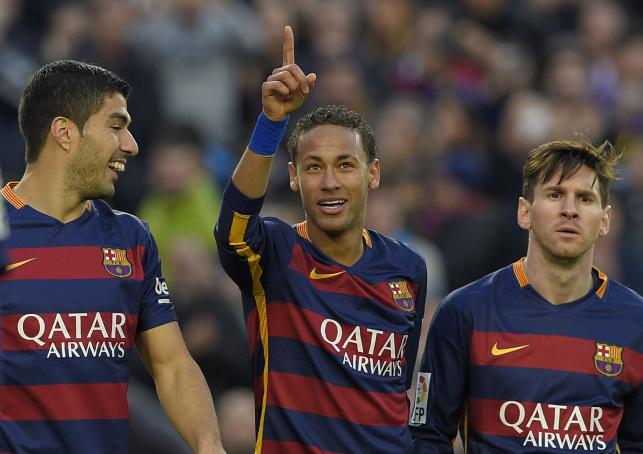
562, 253
86, 175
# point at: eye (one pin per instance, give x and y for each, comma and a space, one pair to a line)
346, 165
586, 198
117, 127
312, 167
555, 195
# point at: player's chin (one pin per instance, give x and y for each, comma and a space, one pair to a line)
332, 226
569, 253
104, 191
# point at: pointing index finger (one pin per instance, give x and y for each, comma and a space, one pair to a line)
289, 46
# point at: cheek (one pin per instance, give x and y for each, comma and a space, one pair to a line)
306, 190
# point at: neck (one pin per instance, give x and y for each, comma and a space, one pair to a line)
42, 188
346, 248
559, 281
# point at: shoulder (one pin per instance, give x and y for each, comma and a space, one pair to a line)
481, 291
395, 248
625, 297
127, 221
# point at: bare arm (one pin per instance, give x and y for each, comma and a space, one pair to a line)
282, 93
181, 387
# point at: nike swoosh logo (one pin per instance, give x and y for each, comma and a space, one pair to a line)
13, 266
315, 275
495, 351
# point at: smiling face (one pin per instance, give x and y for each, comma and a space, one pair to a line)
565, 218
333, 175
102, 151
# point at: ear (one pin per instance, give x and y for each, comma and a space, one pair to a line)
64, 132
524, 213
294, 179
374, 174
605, 221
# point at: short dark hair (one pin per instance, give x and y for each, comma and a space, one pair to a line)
334, 115
65, 88
568, 156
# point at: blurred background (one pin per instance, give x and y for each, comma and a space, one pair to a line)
458, 91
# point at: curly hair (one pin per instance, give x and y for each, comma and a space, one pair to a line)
337, 115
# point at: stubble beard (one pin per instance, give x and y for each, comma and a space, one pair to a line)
85, 176
563, 254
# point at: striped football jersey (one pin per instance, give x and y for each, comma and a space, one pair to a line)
332, 346
74, 298
518, 374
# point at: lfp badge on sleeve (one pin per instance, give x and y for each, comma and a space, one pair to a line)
421, 399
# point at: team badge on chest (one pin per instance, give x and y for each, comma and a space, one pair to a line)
401, 295
607, 359
116, 263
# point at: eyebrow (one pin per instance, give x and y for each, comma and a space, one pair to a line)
560, 188
338, 158
120, 116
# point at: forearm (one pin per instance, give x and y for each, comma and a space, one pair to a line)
186, 400
252, 174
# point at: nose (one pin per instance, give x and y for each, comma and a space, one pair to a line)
330, 180
569, 209
128, 144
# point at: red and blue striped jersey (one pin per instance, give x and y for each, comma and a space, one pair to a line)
332, 346
71, 305
520, 375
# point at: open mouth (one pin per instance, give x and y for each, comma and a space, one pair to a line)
116, 166
331, 205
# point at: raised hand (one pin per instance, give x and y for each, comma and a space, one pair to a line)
287, 87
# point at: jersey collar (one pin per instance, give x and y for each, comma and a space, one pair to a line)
11, 197
523, 281
302, 231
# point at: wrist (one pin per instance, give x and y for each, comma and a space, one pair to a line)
267, 135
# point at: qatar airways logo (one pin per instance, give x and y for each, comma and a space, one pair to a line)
76, 334
367, 350
555, 426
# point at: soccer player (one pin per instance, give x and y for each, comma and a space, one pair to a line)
333, 310
545, 355
85, 282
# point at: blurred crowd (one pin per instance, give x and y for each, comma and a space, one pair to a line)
458, 92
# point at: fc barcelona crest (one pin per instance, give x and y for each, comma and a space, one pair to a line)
116, 263
401, 295
607, 359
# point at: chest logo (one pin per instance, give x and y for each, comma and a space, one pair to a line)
315, 275
401, 295
13, 266
116, 263
495, 351
607, 359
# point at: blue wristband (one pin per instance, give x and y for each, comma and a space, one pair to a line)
267, 135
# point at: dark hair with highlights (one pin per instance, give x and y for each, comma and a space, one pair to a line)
568, 156
64, 88
334, 115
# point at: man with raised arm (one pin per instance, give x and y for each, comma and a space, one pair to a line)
333, 310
